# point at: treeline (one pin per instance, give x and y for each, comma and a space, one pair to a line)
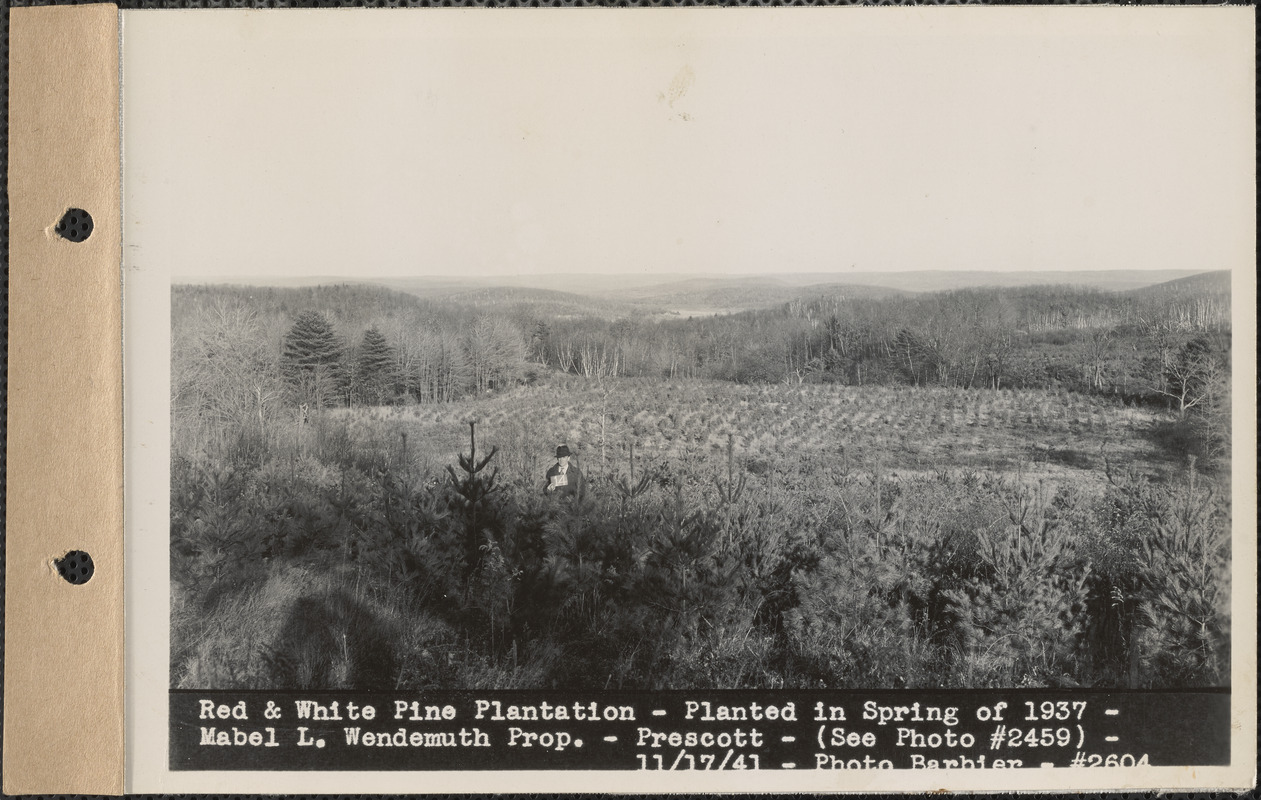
243, 354
247, 352
1041, 337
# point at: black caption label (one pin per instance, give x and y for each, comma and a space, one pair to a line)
704, 730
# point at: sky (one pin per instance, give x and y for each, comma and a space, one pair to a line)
479, 142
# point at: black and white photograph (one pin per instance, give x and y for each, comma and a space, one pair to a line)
765, 481
608, 352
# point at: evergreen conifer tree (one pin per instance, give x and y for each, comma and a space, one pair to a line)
376, 372
312, 360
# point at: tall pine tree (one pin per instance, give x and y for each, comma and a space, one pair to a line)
312, 360
376, 368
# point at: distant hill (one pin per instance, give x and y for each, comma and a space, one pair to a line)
848, 290
945, 280
643, 285
494, 295
710, 294
1210, 283
545, 301
1202, 301
568, 283
631, 295
740, 294
636, 294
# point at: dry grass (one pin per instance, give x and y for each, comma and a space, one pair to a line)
878, 537
1060, 436
300, 629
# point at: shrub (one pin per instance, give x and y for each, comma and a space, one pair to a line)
818, 554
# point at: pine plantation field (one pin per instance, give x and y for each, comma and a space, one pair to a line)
778, 430
731, 536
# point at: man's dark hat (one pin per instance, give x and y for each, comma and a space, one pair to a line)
562, 451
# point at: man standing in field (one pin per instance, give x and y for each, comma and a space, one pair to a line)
564, 479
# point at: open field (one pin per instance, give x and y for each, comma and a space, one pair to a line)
758, 537
784, 430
